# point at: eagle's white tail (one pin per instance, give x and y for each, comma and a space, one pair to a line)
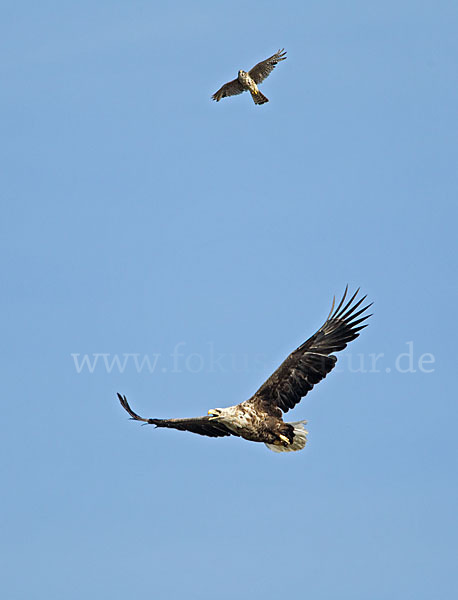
299, 440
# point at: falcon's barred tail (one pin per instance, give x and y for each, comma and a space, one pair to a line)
299, 439
259, 98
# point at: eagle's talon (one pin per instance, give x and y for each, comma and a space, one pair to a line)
284, 439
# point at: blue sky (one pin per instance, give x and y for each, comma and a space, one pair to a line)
140, 219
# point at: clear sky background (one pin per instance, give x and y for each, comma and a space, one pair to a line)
138, 217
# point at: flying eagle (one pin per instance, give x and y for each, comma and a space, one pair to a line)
259, 419
248, 81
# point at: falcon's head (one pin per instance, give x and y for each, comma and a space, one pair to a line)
242, 73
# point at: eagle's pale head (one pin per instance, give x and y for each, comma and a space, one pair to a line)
241, 73
214, 413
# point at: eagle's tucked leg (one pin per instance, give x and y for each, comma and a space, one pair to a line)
293, 442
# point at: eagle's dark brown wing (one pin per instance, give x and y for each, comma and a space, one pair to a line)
312, 361
232, 88
200, 425
263, 69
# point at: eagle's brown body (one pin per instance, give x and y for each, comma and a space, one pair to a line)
254, 424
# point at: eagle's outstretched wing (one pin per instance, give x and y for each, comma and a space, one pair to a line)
201, 425
312, 361
264, 68
232, 88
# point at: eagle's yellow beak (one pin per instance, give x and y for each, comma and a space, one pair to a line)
213, 413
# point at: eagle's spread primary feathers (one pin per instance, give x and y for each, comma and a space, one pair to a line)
259, 419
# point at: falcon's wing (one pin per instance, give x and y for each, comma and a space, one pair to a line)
312, 361
263, 69
232, 88
200, 425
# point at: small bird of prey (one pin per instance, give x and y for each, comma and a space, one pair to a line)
259, 419
249, 81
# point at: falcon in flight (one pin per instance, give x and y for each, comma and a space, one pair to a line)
259, 419
249, 81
